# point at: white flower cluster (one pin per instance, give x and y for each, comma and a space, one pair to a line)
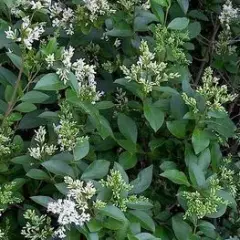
228, 14
4, 145
84, 73
62, 17
20, 6
73, 209
215, 95
98, 8
148, 72
68, 130
42, 149
129, 5
121, 100
28, 33
37, 227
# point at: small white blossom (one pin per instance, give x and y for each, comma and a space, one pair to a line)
10, 34
42, 148
67, 56
50, 59
117, 43
60, 232
40, 135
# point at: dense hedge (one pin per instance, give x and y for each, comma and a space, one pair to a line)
119, 119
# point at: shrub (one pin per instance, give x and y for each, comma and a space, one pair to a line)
110, 127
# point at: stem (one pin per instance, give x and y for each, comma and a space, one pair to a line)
208, 54
167, 11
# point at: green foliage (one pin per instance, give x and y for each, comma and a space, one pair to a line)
119, 120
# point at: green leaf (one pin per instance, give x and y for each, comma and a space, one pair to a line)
7, 76
94, 225
17, 61
72, 234
37, 174
176, 177
121, 29
168, 165
62, 188
73, 82
177, 128
145, 236
141, 205
25, 159
223, 126
226, 196
113, 212
157, 10
178, 107
50, 82
196, 175
204, 159
143, 180
127, 127
184, 4
59, 168
8, 93
181, 229
42, 200
104, 105
96, 170
163, 3
216, 156
207, 229
179, 23
219, 213
194, 29
81, 150
119, 168
154, 115
198, 15
25, 107
35, 97
145, 220
128, 160
200, 140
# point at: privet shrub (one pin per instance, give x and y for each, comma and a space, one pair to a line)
114, 120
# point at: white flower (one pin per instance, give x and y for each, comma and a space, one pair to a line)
42, 148
36, 5
40, 134
67, 56
35, 152
50, 59
10, 34
63, 74
117, 43
60, 232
